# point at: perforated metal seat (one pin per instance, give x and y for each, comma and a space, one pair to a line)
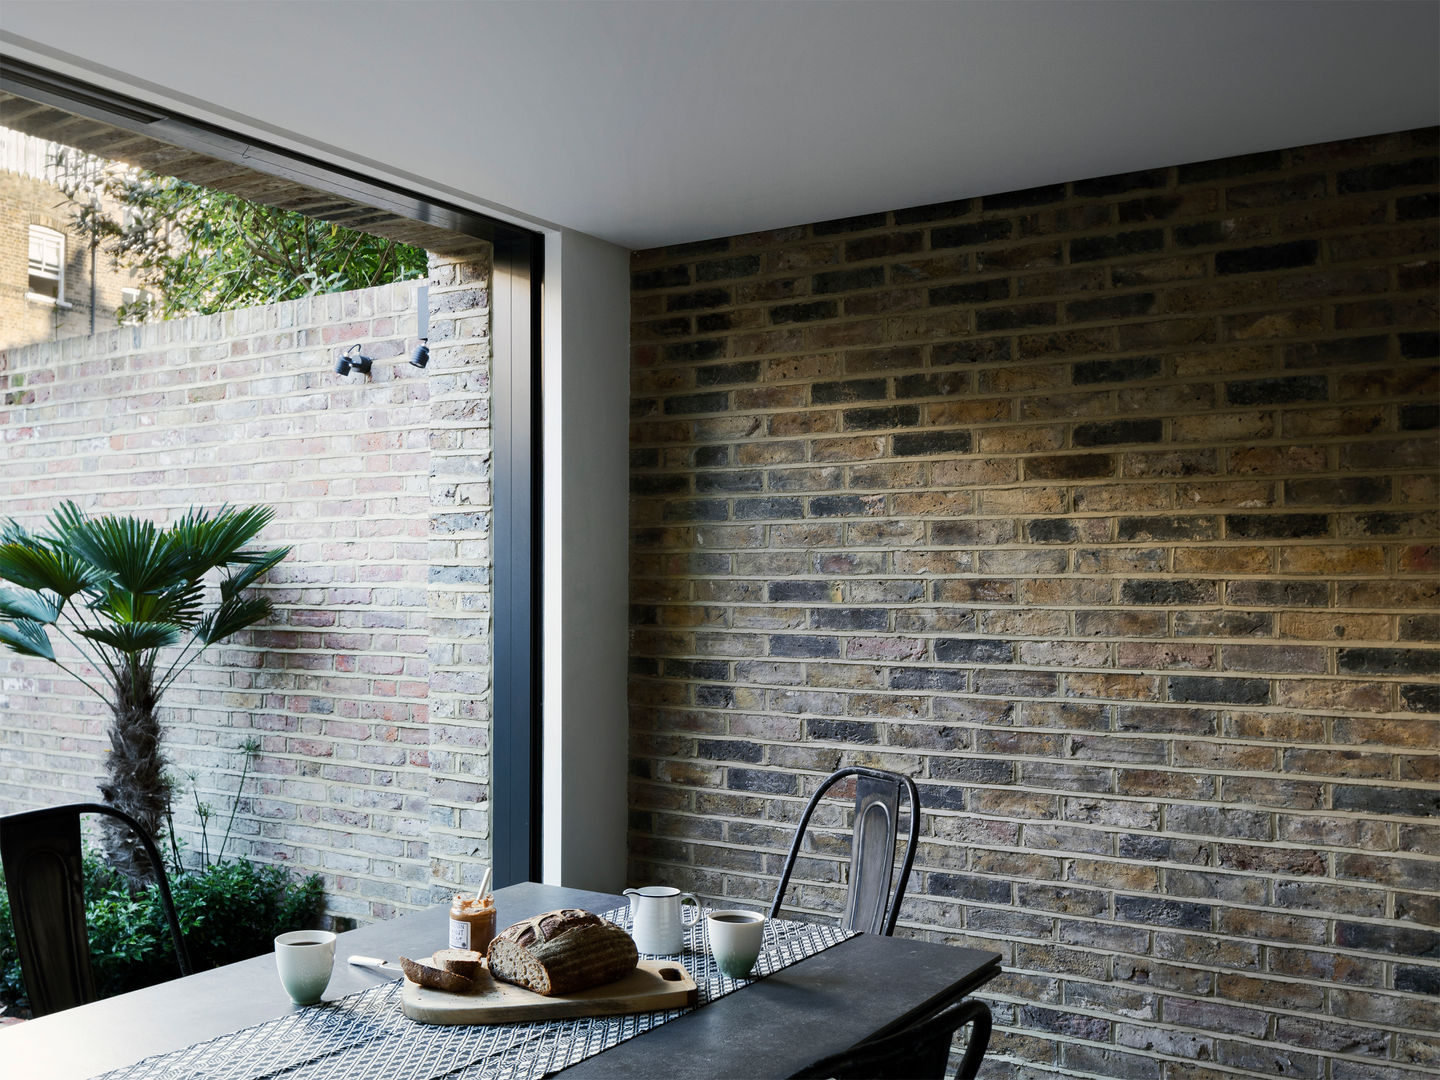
41, 853
870, 904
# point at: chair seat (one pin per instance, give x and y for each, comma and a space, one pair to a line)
918, 1052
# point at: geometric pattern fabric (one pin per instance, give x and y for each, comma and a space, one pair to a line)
365, 1036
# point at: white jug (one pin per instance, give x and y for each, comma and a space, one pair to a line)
657, 918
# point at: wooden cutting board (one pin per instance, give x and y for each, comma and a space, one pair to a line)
654, 984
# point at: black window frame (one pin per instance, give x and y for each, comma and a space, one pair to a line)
516, 309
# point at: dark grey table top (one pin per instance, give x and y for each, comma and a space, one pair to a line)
838, 997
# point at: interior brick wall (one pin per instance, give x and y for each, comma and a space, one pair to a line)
1108, 511
367, 771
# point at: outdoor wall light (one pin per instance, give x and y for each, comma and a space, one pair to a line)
421, 356
348, 363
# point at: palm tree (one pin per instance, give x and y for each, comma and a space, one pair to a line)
131, 600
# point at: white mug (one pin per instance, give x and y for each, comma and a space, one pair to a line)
305, 959
658, 918
735, 940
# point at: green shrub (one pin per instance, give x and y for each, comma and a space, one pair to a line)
230, 911
12, 986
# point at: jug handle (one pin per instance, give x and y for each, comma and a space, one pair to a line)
694, 911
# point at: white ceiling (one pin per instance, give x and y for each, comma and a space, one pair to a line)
648, 123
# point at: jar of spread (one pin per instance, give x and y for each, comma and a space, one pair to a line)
472, 923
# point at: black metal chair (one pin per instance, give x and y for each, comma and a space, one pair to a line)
872, 848
918, 1052
40, 850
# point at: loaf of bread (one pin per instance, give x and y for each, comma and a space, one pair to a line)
562, 951
437, 978
465, 962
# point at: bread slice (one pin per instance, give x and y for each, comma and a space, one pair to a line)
562, 951
417, 971
465, 962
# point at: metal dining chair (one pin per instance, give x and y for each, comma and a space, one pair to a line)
41, 854
917, 1052
870, 905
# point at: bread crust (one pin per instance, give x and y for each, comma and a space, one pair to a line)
559, 952
437, 978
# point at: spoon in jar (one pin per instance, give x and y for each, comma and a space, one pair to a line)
484, 887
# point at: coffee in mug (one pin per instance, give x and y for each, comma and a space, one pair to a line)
304, 959
735, 938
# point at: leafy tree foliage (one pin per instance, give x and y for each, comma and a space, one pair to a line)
200, 251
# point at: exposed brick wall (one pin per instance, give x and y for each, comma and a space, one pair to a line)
461, 648
354, 779
25, 201
1108, 511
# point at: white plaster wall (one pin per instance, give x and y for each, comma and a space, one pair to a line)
585, 390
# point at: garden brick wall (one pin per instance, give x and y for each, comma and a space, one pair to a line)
1108, 511
369, 689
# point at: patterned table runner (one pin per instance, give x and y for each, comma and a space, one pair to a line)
366, 1036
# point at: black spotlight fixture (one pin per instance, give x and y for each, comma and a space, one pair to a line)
421, 356
348, 363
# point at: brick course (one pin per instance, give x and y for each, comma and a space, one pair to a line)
1108, 511
369, 690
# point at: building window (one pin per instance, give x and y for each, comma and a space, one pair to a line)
134, 306
47, 264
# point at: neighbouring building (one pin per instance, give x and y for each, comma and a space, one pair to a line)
53, 282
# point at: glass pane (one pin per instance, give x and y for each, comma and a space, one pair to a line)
45, 285
47, 250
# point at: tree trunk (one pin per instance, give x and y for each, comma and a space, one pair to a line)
136, 780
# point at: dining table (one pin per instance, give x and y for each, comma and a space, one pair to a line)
819, 990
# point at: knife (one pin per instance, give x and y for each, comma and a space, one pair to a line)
372, 961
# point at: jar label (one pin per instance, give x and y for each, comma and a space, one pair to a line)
459, 934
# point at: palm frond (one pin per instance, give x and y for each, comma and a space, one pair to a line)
128, 551
179, 604
28, 637
42, 568
210, 541
253, 567
27, 605
65, 518
232, 616
135, 637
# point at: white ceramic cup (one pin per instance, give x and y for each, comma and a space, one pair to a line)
735, 937
305, 959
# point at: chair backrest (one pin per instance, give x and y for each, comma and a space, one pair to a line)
40, 850
918, 1052
870, 906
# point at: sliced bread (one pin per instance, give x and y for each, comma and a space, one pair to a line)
437, 978
465, 962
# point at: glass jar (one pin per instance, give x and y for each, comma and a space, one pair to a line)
472, 923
